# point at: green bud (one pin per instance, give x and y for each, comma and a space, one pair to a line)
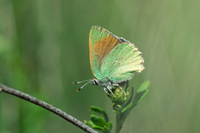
120, 96
117, 107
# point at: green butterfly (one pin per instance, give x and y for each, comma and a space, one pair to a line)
113, 60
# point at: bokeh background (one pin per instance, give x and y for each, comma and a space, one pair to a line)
44, 48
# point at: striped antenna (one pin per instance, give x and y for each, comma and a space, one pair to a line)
82, 81
87, 82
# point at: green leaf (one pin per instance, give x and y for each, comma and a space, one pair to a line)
109, 125
99, 121
126, 108
126, 86
99, 112
98, 128
130, 97
106, 130
116, 107
140, 93
89, 123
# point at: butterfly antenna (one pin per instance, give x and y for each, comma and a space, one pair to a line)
82, 81
84, 85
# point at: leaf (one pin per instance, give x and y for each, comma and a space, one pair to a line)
117, 107
89, 123
106, 130
99, 112
126, 108
99, 121
98, 128
130, 97
126, 86
140, 93
109, 125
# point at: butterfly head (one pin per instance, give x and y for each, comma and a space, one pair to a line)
104, 82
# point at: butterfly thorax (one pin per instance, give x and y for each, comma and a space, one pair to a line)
107, 84
104, 82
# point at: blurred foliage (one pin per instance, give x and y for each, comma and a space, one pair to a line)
123, 101
99, 120
44, 48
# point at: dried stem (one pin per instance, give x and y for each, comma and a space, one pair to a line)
47, 106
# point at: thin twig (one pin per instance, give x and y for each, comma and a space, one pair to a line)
47, 106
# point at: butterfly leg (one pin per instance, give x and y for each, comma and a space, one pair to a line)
108, 89
105, 90
116, 85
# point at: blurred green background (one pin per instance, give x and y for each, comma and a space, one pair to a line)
44, 48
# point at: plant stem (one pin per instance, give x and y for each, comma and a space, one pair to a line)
47, 106
118, 123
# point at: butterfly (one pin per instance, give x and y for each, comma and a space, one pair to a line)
113, 60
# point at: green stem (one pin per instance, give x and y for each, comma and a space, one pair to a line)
118, 123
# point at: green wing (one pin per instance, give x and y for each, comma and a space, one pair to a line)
101, 42
122, 63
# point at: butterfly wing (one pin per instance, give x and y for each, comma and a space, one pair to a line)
101, 42
122, 62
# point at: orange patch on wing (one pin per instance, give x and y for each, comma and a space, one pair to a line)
103, 47
91, 53
90, 48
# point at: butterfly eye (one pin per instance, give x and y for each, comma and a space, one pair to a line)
95, 82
